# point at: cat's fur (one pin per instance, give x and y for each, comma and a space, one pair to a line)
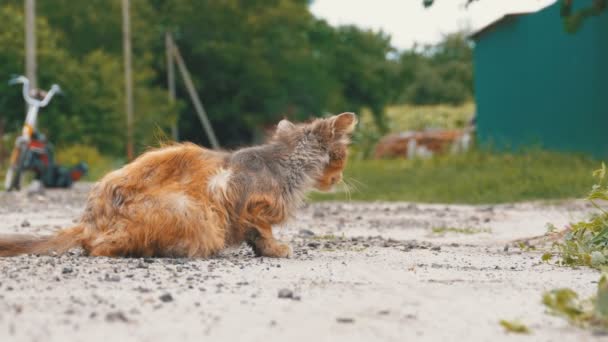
186, 201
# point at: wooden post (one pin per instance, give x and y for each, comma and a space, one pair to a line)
171, 82
200, 110
30, 43
126, 36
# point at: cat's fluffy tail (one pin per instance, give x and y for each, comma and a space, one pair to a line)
58, 243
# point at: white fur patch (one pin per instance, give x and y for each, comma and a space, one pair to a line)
179, 201
218, 183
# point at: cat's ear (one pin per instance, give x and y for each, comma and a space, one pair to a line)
344, 123
285, 126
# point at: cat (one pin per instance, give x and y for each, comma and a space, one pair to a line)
186, 201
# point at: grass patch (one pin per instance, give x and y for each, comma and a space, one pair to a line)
327, 237
465, 231
514, 327
408, 117
586, 313
475, 177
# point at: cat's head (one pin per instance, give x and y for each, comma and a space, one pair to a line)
331, 136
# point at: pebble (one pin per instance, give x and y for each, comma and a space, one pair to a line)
117, 316
167, 297
285, 293
306, 232
345, 320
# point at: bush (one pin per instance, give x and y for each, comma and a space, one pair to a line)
98, 164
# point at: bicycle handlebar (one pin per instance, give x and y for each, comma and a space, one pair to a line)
26, 92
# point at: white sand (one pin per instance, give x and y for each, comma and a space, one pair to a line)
369, 281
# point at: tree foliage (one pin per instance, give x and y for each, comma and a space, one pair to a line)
435, 74
252, 62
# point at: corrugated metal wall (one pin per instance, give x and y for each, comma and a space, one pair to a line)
537, 85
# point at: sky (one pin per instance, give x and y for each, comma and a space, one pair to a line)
407, 21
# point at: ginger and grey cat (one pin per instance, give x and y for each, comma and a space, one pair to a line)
187, 201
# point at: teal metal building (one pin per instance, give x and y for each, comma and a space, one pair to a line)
536, 85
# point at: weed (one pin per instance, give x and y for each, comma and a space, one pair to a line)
586, 242
590, 312
514, 327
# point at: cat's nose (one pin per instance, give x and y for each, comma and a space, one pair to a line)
335, 179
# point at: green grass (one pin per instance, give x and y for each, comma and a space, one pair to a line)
475, 177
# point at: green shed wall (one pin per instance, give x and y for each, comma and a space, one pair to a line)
537, 85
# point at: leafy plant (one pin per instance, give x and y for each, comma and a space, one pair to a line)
590, 312
586, 243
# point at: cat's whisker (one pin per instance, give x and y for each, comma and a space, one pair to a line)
354, 186
357, 181
346, 189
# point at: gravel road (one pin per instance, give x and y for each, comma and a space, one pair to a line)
360, 272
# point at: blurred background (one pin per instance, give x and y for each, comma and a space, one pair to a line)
461, 101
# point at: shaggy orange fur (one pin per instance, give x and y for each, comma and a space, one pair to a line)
187, 201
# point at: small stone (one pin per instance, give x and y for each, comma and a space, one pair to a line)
117, 316
167, 297
113, 278
318, 214
347, 320
285, 293
67, 270
25, 223
306, 233
314, 244
436, 248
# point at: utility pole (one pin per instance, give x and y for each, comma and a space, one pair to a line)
30, 43
198, 105
126, 39
171, 81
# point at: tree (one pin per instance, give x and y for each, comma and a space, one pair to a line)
252, 62
91, 110
441, 73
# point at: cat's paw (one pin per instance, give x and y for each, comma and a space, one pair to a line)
280, 250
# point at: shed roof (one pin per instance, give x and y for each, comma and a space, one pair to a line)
509, 16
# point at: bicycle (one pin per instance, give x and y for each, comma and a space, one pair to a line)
32, 151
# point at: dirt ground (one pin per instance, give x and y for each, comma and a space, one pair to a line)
361, 272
